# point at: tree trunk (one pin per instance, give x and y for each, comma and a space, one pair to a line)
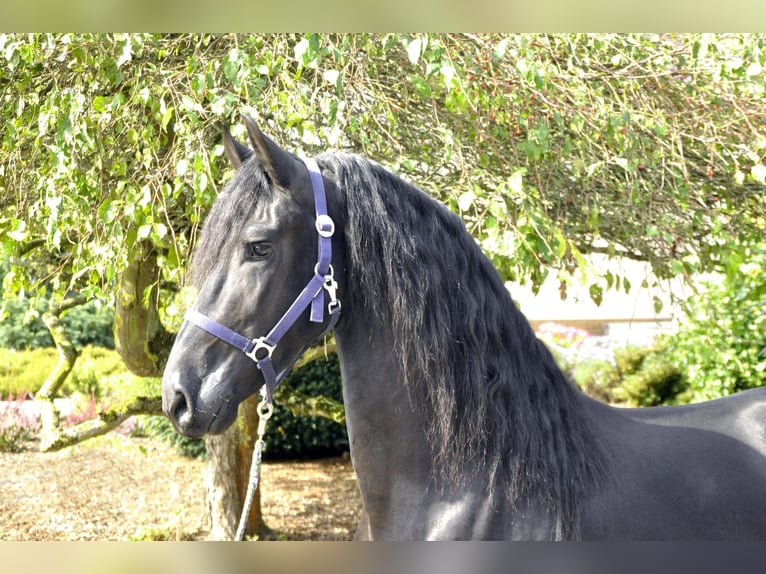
68, 353
227, 474
139, 336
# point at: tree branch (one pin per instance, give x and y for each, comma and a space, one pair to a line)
105, 422
67, 352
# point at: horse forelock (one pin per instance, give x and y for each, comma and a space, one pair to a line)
228, 215
495, 400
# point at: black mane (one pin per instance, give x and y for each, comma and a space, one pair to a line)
498, 403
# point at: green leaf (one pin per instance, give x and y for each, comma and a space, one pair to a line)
596, 293
330, 76
465, 201
126, 54
516, 181
108, 211
622, 162
300, 50
99, 103
448, 73
166, 117
421, 86
414, 50
758, 173
18, 230
144, 231
182, 167
594, 167
500, 48
159, 232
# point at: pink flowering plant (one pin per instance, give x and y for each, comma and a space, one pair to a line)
572, 345
588, 360
18, 425
562, 335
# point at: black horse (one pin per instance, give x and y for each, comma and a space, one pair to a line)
460, 423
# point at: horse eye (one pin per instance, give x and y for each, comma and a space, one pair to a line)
257, 250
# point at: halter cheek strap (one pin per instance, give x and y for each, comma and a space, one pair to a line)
323, 282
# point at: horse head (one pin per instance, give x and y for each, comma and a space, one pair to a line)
259, 286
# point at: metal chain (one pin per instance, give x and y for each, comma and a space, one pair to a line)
265, 410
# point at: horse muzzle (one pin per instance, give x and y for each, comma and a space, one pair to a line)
194, 420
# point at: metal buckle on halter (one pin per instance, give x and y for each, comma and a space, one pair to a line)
331, 286
260, 344
333, 306
325, 225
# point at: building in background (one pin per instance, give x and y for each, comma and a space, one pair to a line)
648, 308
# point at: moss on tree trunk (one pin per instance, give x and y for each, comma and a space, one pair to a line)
139, 336
107, 420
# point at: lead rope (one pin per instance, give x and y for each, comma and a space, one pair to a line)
265, 410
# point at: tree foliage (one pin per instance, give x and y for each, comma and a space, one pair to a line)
550, 146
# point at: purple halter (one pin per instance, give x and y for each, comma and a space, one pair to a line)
261, 349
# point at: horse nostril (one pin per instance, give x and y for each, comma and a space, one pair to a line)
179, 410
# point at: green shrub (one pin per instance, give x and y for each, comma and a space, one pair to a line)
95, 372
596, 378
637, 376
94, 369
648, 375
629, 359
721, 344
25, 371
161, 427
291, 437
22, 327
288, 436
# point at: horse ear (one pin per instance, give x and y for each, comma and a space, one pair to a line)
235, 151
280, 165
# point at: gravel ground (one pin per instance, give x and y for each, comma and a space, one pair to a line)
118, 488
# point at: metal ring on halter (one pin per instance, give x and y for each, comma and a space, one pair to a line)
325, 225
265, 409
260, 344
330, 271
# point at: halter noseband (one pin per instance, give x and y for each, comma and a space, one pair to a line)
261, 349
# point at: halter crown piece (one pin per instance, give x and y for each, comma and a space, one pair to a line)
261, 349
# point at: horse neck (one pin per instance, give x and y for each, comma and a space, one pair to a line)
551, 442
389, 448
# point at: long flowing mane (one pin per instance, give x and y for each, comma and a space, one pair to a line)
496, 401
